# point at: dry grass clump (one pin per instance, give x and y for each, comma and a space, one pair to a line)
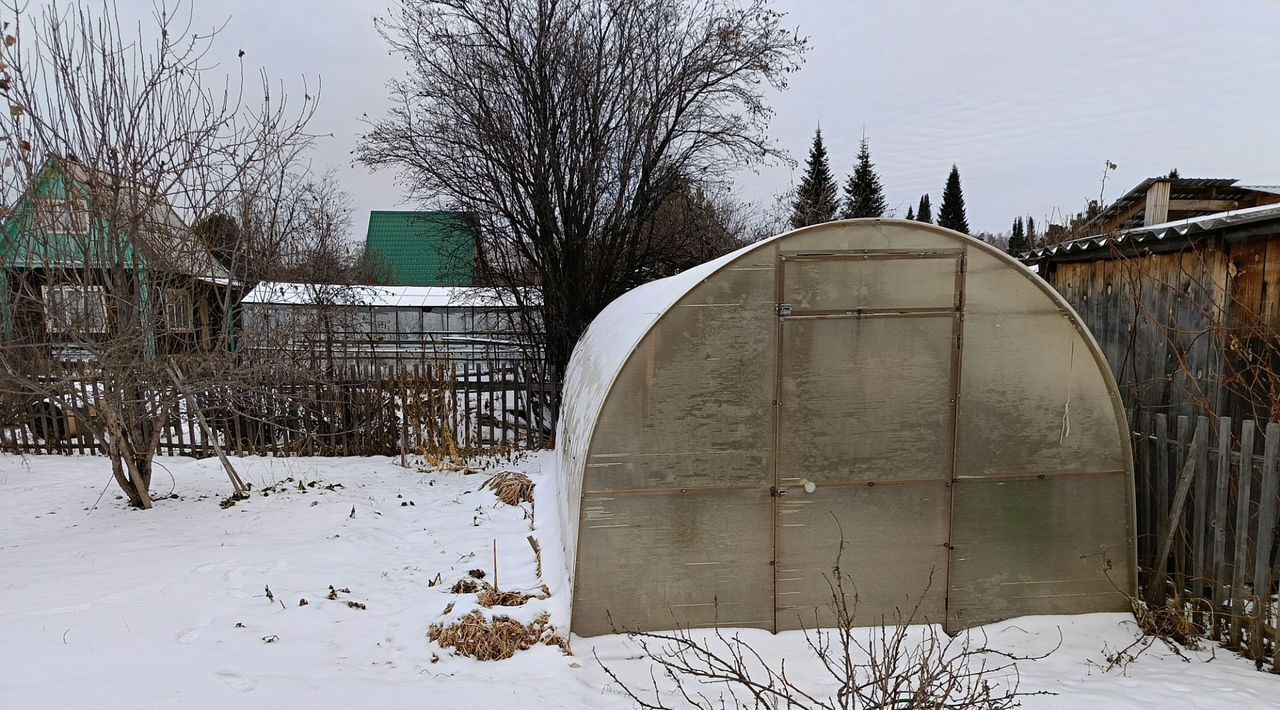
466, 585
492, 597
511, 487
493, 639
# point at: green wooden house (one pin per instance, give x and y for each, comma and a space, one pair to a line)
67, 277
432, 248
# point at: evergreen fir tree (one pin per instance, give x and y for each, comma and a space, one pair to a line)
1017, 238
951, 215
815, 201
1031, 232
924, 213
910, 215
863, 195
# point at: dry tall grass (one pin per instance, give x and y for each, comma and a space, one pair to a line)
494, 639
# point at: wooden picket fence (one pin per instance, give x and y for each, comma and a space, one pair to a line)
1207, 516
450, 408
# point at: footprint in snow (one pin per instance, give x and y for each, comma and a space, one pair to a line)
237, 681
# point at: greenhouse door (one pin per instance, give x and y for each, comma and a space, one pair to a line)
867, 371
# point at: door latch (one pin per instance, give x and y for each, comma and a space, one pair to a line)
783, 310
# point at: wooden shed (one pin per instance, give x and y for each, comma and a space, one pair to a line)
1187, 312
908, 389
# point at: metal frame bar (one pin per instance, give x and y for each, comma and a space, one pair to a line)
775, 442
859, 483
692, 490
953, 434
869, 254
860, 313
1037, 476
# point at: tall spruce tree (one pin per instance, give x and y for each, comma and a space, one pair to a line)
863, 195
1017, 238
815, 201
924, 213
951, 215
910, 215
1031, 232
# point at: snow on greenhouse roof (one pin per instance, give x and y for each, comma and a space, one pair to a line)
296, 294
615, 332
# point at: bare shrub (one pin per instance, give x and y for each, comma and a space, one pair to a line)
118, 140
895, 664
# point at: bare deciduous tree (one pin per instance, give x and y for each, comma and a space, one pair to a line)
564, 126
117, 141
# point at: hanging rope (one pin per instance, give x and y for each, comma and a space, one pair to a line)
1066, 407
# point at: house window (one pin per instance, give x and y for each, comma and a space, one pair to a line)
64, 216
75, 309
177, 310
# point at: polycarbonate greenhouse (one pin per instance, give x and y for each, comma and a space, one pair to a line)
908, 388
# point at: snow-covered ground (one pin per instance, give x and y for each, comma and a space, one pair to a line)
108, 607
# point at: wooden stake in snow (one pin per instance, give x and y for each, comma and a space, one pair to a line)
537, 555
237, 485
495, 564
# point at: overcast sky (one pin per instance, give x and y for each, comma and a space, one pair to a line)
1029, 99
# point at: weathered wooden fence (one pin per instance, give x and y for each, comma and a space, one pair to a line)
1207, 515
447, 408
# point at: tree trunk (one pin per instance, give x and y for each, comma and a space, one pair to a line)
130, 477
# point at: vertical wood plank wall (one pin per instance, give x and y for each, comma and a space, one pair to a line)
1179, 327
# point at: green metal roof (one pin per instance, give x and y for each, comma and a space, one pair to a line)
423, 248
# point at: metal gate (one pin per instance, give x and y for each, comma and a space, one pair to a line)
867, 375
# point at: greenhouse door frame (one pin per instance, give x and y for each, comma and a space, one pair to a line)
783, 492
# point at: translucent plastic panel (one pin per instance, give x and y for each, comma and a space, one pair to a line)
895, 552
836, 284
657, 561
870, 235
1032, 396
693, 405
865, 399
1039, 546
993, 285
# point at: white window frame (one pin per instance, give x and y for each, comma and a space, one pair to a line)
179, 302
63, 216
90, 317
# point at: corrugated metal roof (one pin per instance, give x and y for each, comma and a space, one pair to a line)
1157, 232
297, 294
423, 248
1271, 189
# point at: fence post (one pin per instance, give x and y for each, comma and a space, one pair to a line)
1220, 524
1182, 545
1146, 507
1241, 559
1162, 503
1200, 512
1266, 528
1185, 477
